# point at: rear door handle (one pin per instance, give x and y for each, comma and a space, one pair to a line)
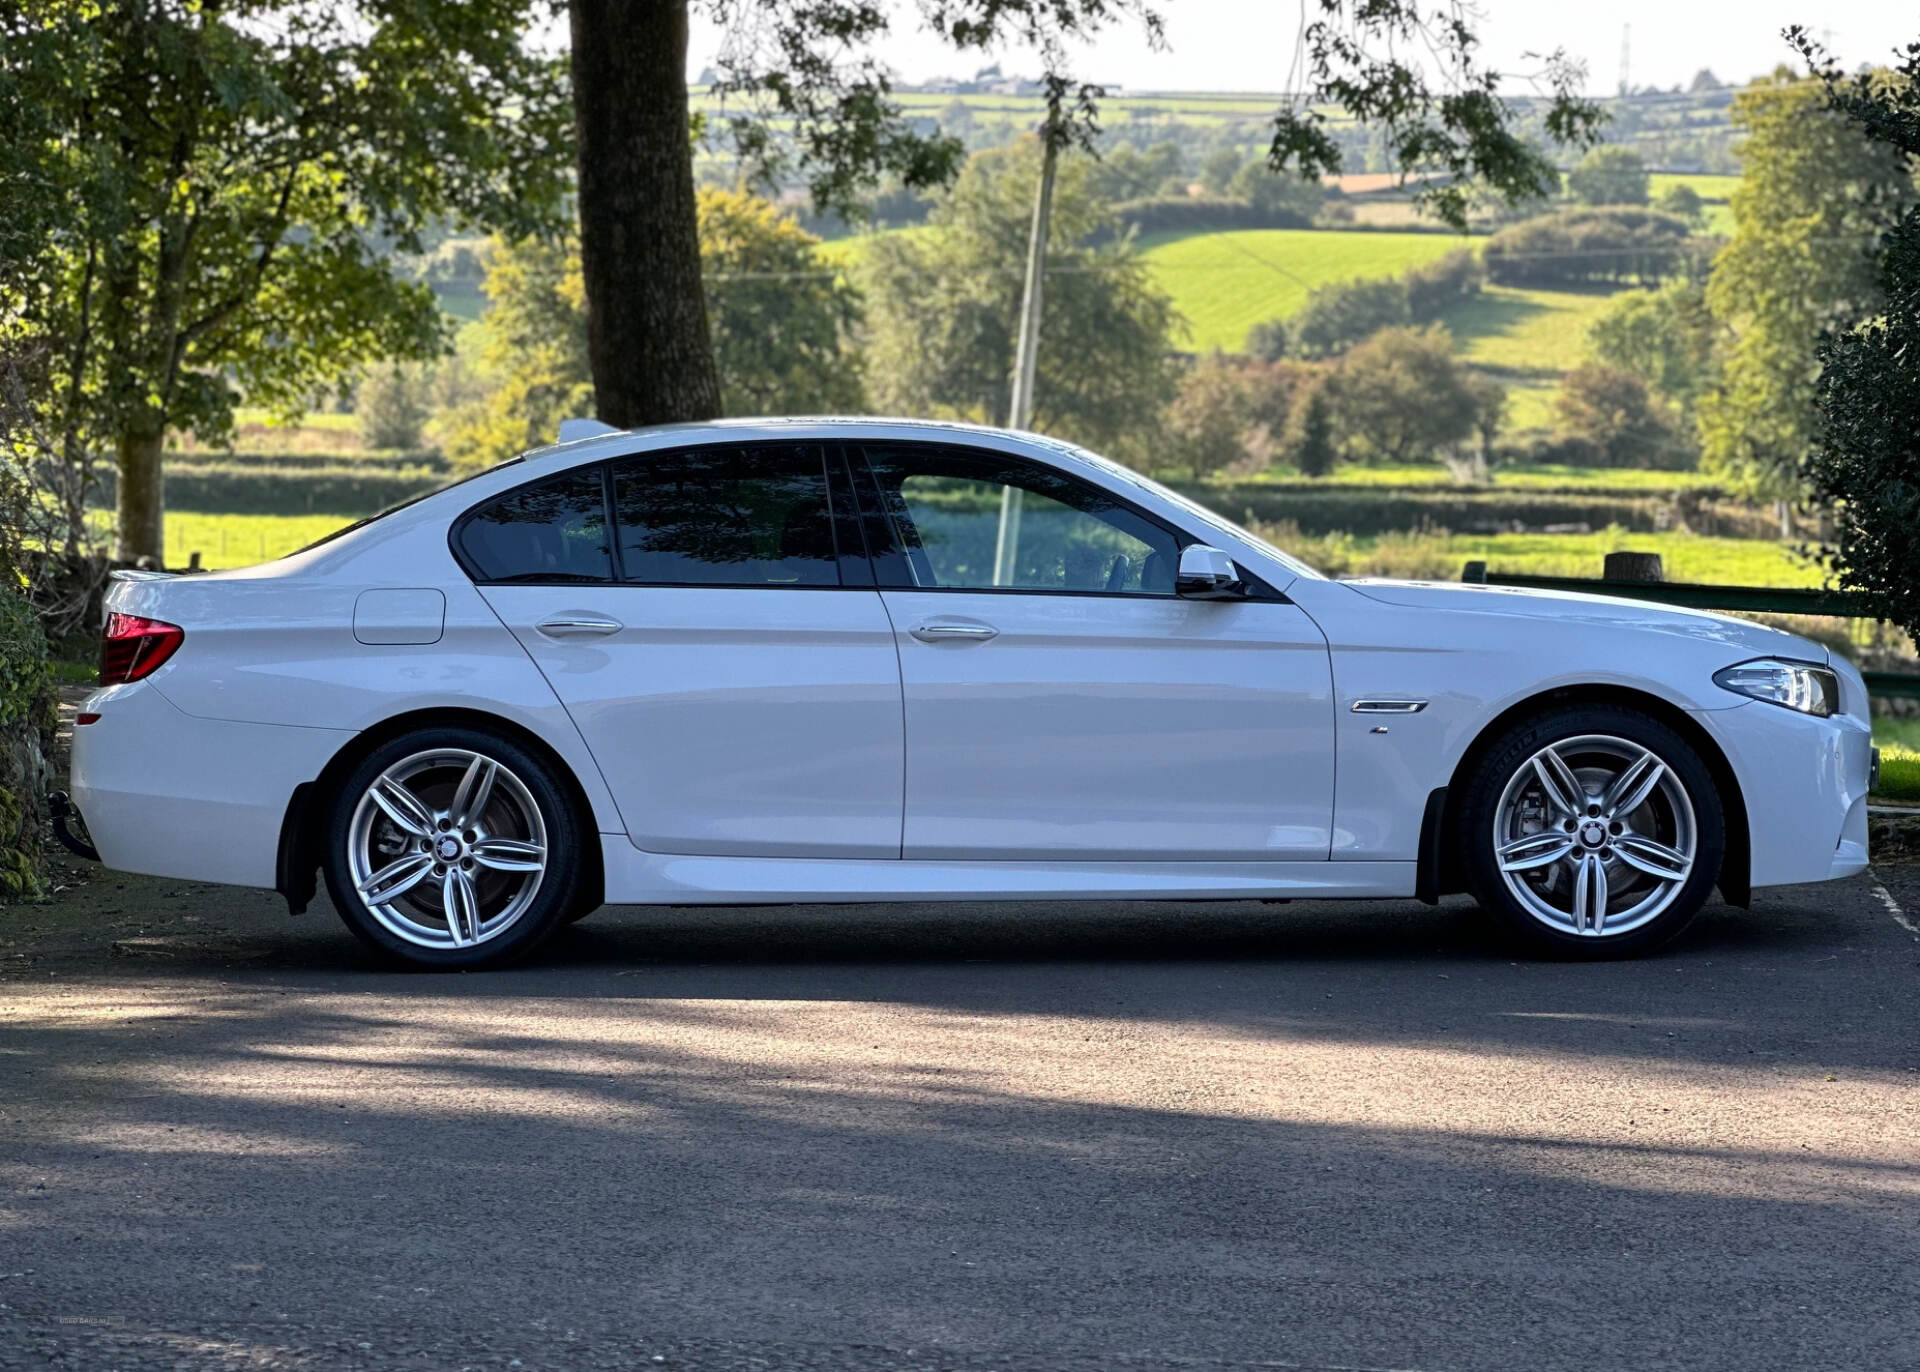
970, 631
578, 626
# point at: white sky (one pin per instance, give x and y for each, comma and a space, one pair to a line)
1247, 45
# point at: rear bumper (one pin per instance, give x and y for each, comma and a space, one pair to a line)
169, 794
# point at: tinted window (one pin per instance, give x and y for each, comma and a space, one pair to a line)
983, 523
755, 516
549, 531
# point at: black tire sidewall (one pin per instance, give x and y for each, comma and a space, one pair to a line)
558, 893
1520, 742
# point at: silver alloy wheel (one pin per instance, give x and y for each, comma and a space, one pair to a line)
447, 848
1595, 835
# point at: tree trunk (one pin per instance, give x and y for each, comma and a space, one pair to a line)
647, 336
142, 502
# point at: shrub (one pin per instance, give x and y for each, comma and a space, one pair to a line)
1207, 421
1312, 448
1614, 410
26, 727
1611, 174
1344, 313
1203, 214
1435, 287
1402, 396
1682, 202
1581, 247
1339, 315
390, 407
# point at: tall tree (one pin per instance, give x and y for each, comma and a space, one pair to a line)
800, 95
1401, 395
943, 307
1814, 194
780, 329
232, 179
1868, 393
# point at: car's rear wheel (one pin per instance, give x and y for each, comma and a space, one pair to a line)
1593, 831
453, 848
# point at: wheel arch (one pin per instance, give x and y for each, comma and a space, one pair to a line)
297, 864
1440, 870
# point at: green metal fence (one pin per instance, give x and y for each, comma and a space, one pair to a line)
1754, 599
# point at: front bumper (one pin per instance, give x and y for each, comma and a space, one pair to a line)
1805, 781
173, 795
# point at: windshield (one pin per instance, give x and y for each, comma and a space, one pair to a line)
398, 506
1199, 512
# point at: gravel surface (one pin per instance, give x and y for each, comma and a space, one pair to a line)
1032, 1137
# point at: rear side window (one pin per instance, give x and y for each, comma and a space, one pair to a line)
553, 530
738, 516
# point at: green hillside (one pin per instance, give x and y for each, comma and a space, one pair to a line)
1225, 283
1527, 339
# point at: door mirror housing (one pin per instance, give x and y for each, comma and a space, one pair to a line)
1207, 574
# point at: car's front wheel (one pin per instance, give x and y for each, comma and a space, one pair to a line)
1593, 831
453, 848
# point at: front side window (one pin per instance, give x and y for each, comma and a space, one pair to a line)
742, 516
547, 531
979, 522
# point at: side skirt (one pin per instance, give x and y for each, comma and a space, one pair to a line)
638, 878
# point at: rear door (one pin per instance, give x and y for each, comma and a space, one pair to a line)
709, 618
1062, 703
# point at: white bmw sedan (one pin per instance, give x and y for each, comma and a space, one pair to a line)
850, 660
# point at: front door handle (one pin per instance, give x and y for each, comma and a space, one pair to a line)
967, 631
578, 626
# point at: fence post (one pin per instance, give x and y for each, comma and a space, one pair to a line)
1632, 567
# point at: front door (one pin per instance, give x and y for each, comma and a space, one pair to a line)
724, 653
1063, 703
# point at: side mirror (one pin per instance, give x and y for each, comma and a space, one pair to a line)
1206, 574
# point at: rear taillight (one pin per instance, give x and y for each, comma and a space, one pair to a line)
132, 647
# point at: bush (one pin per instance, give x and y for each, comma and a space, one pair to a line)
1203, 214
1311, 446
1340, 315
1207, 421
26, 730
1584, 247
1611, 174
1682, 202
1613, 410
1344, 313
1435, 287
390, 407
1402, 396
248, 488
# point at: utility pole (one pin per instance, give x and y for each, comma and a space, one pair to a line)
1028, 346
1006, 548
1626, 59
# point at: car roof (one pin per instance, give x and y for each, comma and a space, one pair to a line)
792, 427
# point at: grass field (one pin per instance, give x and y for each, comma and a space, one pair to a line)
1225, 283
1899, 741
232, 540
1687, 557
1528, 339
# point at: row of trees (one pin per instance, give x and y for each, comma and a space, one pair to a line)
205, 199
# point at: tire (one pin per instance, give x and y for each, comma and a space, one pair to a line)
1624, 874
510, 873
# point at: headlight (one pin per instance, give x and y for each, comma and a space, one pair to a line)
1797, 685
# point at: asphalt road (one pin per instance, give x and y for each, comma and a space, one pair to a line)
1038, 1137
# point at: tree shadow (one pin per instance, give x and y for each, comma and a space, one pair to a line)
1142, 1165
